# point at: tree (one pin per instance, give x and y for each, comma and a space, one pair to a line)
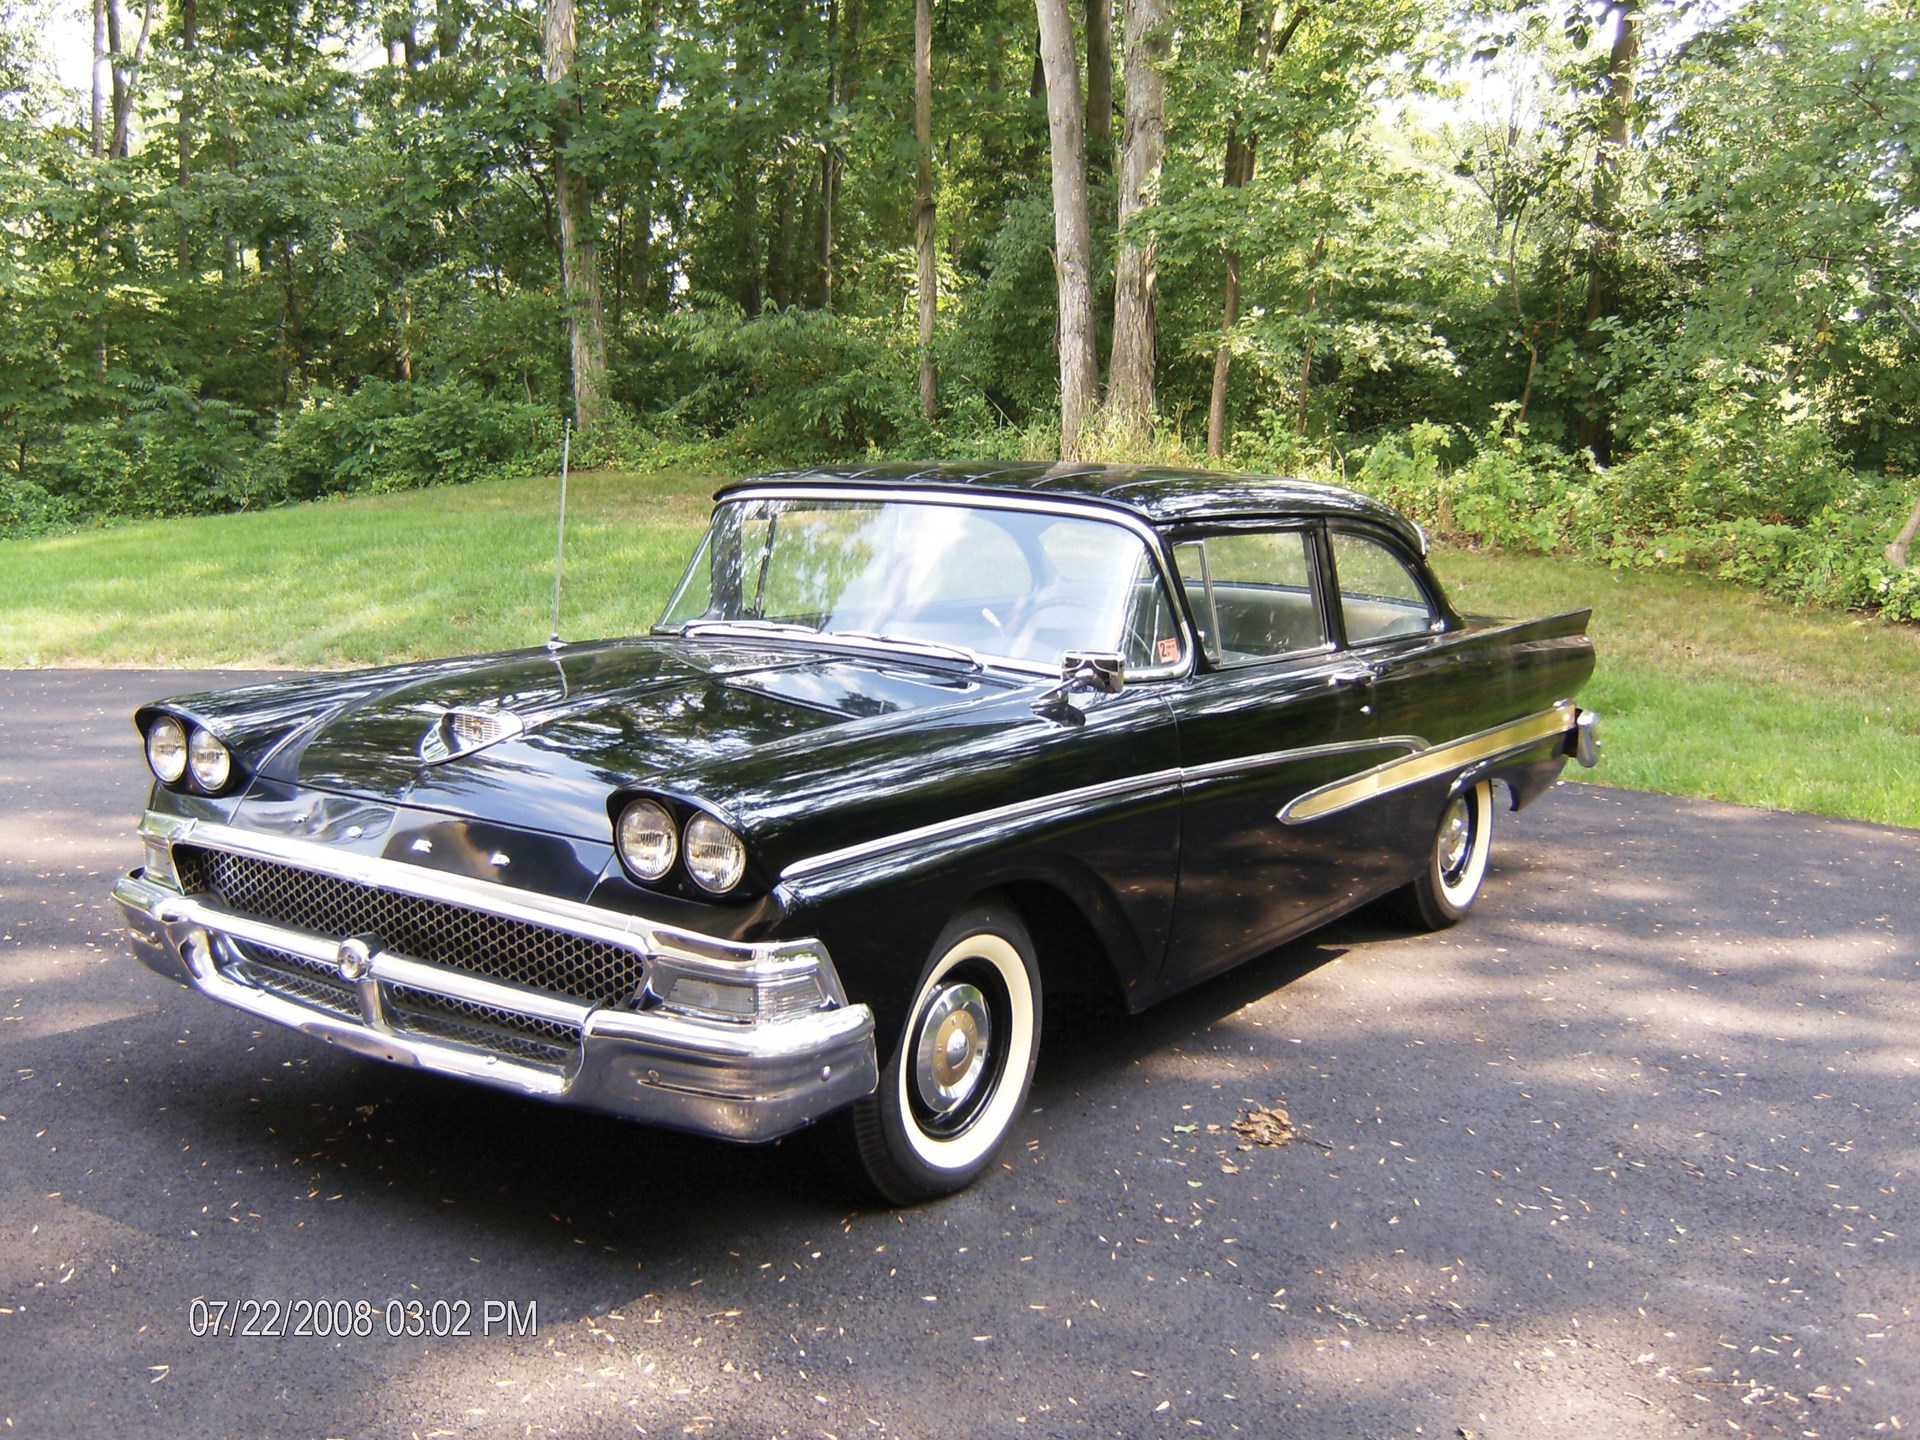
923, 224
1616, 110
1130, 376
579, 254
1072, 234
1255, 41
1099, 127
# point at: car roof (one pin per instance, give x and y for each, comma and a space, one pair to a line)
1161, 495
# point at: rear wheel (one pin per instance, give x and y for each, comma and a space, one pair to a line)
961, 1065
1456, 863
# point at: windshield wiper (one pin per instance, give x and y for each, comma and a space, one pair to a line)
746, 627
912, 644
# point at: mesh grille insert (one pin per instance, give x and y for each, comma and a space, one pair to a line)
296, 978
506, 1032
436, 932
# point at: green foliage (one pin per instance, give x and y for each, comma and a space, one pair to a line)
328, 262
1745, 494
385, 436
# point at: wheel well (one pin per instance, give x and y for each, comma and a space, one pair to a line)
1073, 959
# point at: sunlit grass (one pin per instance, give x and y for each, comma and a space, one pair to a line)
349, 582
1704, 689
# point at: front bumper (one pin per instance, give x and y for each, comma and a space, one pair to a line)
738, 1080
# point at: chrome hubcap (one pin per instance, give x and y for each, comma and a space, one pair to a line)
1456, 833
950, 1053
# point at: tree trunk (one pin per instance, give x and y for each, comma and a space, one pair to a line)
1072, 237
117, 77
1222, 360
189, 43
1595, 430
1100, 86
829, 170
780, 257
1236, 172
843, 53
1136, 300
101, 70
449, 25
1302, 392
923, 219
405, 336
1896, 553
579, 259
125, 78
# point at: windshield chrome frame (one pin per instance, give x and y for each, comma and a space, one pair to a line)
1148, 536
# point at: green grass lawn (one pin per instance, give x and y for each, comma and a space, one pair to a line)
349, 582
1704, 689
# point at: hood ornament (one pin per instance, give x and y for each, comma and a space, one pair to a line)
461, 731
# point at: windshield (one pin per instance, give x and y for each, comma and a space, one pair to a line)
1004, 584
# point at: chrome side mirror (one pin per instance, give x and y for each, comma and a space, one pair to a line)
1102, 671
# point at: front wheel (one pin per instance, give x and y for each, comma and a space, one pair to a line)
961, 1066
1457, 862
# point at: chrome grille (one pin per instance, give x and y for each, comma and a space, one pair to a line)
296, 978
505, 1032
435, 932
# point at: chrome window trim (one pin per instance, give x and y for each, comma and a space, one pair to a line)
1065, 508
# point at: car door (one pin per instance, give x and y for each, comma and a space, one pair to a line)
1389, 630
1272, 711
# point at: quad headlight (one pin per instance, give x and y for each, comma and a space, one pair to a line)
716, 857
647, 838
210, 762
167, 750
652, 840
178, 751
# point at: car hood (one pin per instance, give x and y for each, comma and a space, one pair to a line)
706, 721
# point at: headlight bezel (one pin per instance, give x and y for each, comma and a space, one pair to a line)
186, 755
704, 879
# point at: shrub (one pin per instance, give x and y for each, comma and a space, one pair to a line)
386, 436
1761, 499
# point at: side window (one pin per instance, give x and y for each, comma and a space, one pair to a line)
1380, 596
1251, 593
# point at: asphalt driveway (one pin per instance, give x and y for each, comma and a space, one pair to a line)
1634, 1151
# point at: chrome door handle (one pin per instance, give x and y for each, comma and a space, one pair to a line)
1352, 675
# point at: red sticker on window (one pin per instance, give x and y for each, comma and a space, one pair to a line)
1169, 650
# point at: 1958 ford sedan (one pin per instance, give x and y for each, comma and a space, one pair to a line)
910, 748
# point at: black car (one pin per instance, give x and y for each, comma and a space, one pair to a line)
911, 747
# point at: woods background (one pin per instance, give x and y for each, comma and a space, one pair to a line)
1629, 278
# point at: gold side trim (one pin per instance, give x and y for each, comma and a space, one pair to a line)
1454, 755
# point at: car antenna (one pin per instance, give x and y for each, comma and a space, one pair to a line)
554, 642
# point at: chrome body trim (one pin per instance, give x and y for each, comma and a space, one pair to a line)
1422, 762
1487, 745
738, 1079
1586, 739
1044, 806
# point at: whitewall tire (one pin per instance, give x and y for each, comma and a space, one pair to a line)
961, 1066
1456, 862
